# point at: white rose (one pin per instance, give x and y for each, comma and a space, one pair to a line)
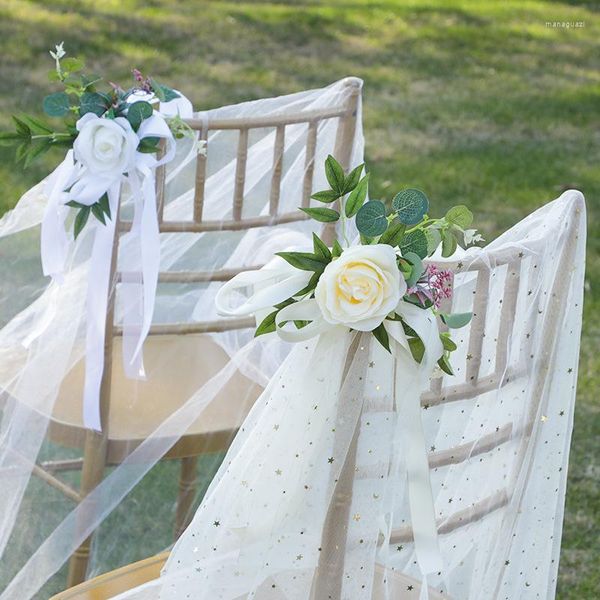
105, 146
361, 287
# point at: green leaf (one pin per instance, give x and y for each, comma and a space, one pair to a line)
444, 365
22, 128
149, 145
449, 243
370, 219
311, 285
8, 138
414, 241
417, 268
137, 112
75, 204
72, 64
411, 206
393, 234
98, 212
105, 205
22, 150
324, 215
357, 197
93, 102
35, 126
334, 174
460, 216
320, 248
352, 179
434, 238
306, 261
267, 325
80, 220
163, 92
337, 250
447, 342
35, 151
57, 104
381, 335
456, 320
417, 348
326, 196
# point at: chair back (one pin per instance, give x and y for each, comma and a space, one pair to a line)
346, 114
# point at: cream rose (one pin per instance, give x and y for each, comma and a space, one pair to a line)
105, 146
361, 287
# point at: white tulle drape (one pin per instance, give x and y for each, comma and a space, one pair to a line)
311, 501
43, 338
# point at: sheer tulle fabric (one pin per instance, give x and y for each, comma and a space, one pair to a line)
311, 499
42, 342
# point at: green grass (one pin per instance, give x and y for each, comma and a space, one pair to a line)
475, 102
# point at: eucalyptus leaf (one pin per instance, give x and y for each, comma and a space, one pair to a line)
414, 241
417, 268
334, 174
323, 215
434, 239
137, 112
149, 145
456, 320
411, 205
449, 243
460, 215
370, 219
57, 104
357, 197
93, 102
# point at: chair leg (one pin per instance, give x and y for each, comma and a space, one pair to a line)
92, 473
188, 482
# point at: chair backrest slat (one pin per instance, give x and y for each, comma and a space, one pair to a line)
200, 177
277, 170
477, 331
240, 174
309, 163
507, 321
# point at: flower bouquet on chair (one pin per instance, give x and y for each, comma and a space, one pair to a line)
301, 505
116, 137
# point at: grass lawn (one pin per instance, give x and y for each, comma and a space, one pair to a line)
476, 102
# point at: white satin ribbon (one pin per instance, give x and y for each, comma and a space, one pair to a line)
140, 288
411, 379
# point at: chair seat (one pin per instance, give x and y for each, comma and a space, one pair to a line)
176, 367
126, 578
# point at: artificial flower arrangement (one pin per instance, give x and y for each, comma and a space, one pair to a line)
105, 128
363, 286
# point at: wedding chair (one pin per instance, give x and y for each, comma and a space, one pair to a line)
507, 386
187, 352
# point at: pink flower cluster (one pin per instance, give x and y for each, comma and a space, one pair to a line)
144, 82
434, 286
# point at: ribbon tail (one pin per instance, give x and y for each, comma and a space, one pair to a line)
424, 594
97, 304
150, 251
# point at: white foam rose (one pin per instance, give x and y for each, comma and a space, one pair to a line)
361, 287
107, 147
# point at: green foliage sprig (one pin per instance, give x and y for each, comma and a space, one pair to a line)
407, 227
